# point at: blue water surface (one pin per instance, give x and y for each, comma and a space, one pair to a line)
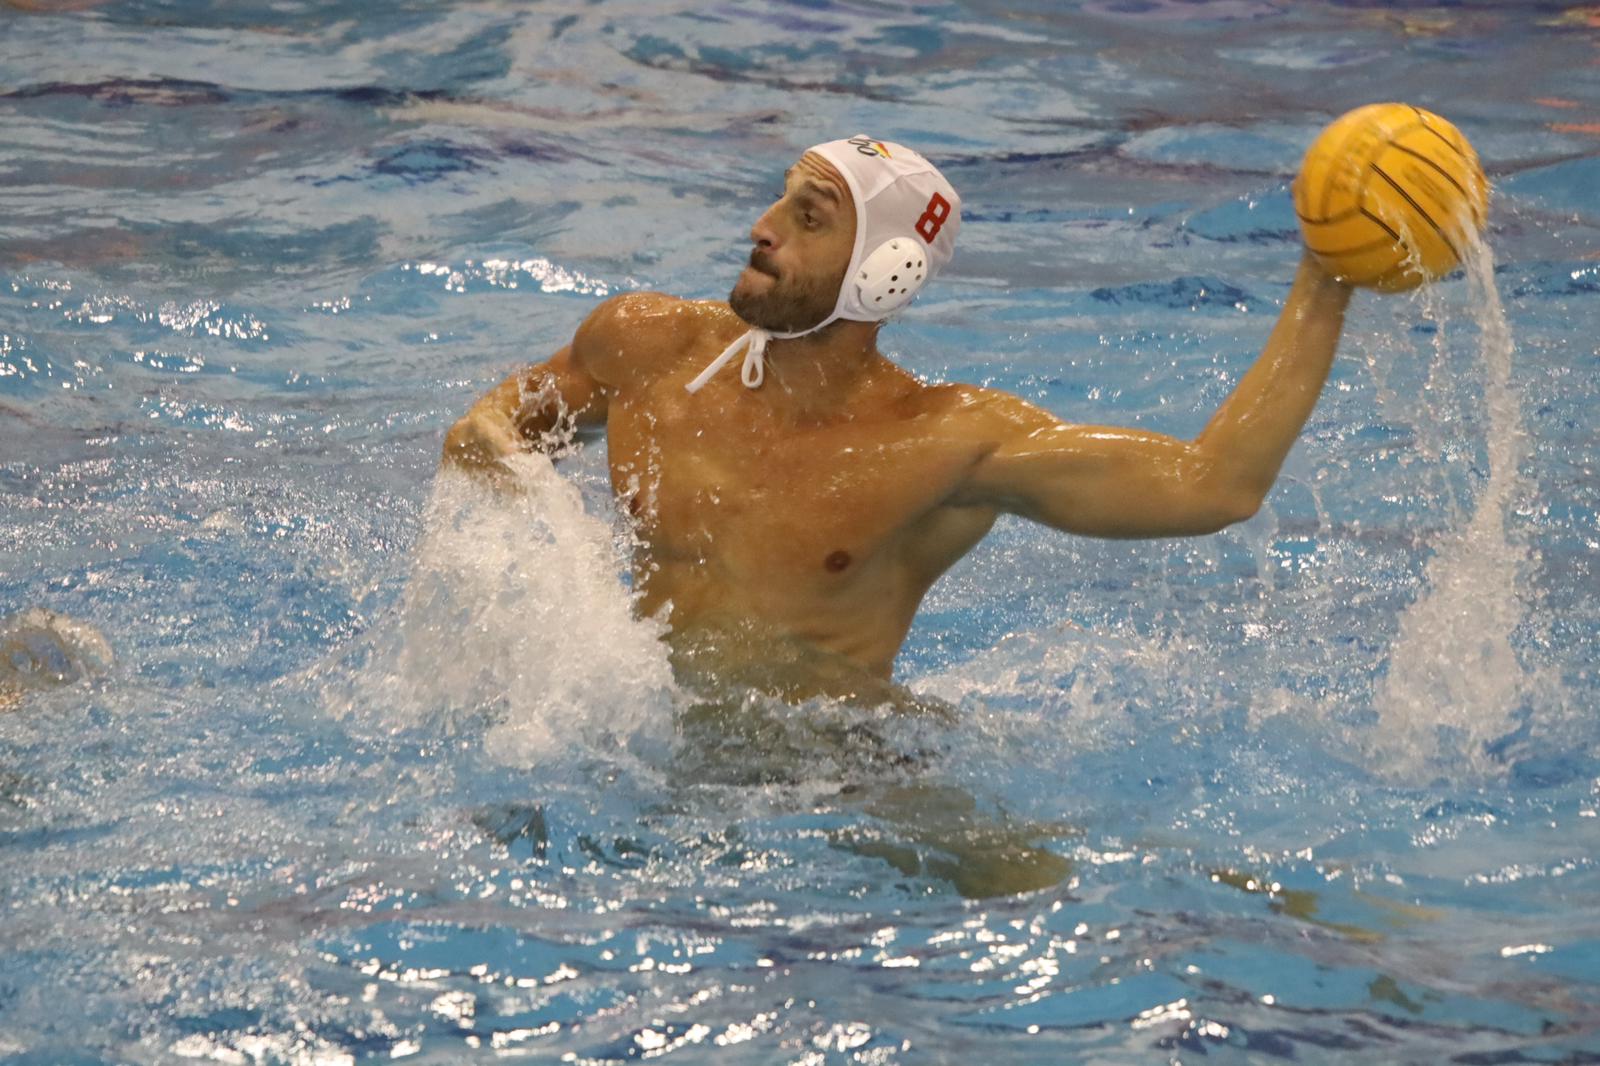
306, 756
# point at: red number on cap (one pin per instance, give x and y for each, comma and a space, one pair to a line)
932, 220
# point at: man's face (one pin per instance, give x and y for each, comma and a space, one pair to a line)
802, 249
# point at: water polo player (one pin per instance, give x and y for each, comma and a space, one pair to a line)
817, 493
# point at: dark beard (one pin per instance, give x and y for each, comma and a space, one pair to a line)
786, 308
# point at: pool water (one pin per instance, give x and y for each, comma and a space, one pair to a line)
307, 755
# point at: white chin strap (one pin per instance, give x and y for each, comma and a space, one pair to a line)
754, 370
884, 282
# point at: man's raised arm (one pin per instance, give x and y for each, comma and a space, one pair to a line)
1108, 482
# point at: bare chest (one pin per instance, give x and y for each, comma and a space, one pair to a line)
739, 490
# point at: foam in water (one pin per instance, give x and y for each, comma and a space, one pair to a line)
1031, 681
40, 649
514, 618
1454, 679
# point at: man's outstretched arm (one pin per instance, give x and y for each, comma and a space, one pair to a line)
1108, 482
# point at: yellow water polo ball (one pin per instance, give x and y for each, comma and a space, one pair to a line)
1389, 196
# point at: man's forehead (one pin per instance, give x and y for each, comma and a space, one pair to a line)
815, 168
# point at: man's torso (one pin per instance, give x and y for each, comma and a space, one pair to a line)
826, 528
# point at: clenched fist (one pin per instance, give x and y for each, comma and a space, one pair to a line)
480, 440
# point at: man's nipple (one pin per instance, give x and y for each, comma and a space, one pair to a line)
837, 561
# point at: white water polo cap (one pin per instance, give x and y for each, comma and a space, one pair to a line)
907, 218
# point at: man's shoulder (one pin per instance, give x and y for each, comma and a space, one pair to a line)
640, 335
960, 411
652, 313
956, 401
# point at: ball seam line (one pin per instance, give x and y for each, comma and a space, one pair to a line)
1443, 173
1448, 143
1418, 208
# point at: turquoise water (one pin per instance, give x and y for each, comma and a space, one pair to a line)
317, 759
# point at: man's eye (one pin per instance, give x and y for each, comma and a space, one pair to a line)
810, 219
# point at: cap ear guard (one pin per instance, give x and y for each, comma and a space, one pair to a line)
891, 275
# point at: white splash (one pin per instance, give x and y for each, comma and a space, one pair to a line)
1040, 694
514, 616
1454, 679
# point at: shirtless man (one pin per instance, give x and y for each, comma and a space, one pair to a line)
818, 493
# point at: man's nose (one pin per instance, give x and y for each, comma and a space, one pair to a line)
764, 233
